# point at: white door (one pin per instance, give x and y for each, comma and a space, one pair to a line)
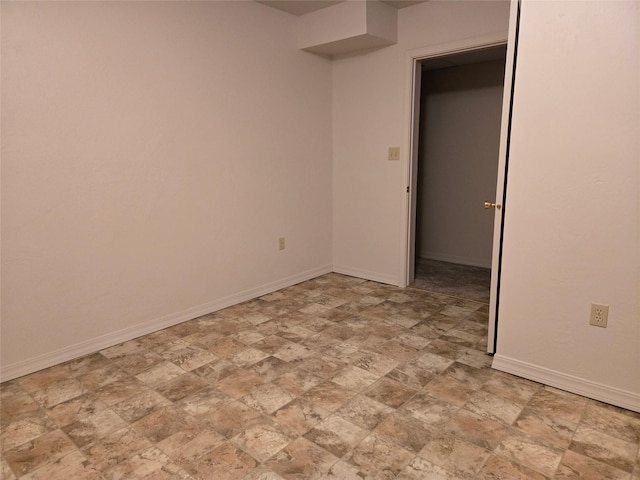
503, 159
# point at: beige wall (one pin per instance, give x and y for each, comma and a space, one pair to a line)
572, 226
369, 116
152, 154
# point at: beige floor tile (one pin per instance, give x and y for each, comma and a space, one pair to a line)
121, 390
391, 393
420, 469
613, 421
136, 363
76, 409
300, 415
293, 352
577, 466
298, 381
124, 349
239, 383
150, 463
74, 465
494, 407
342, 471
471, 376
444, 348
189, 357
115, 448
333, 378
498, 468
267, 398
271, 343
378, 458
94, 427
225, 347
216, 370
263, 439
25, 429
270, 368
328, 395
365, 412
454, 455
87, 364
248, 357
449, 389
558, 405
404, 431
354, 378
160, 374
605, 448
162, 423
5, 471
302, 459
527, 451
515, 390
45, 449
140, 405
428, 410
203, 402
375, 363
473, 428
191, 445
411, 375
396, 350
58, 392
181, 386
248, 337
231, 418
44, 378
101, 376
336, 435
548, 430
432, 362
15, 405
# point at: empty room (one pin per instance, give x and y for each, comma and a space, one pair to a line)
212, 236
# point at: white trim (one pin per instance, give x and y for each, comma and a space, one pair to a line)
444, 257
411, 57
24, 367
366, 274
570, 383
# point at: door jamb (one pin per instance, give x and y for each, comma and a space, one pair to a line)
412, 97
410, 161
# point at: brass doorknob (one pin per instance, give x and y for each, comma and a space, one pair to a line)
489, 204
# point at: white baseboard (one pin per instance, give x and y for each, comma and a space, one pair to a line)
443, 257
24, 367
359, 273
570, 383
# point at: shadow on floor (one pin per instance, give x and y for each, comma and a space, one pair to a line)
462, 281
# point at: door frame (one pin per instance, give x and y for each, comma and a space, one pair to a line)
413, 75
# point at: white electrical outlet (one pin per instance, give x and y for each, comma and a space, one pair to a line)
281, 243
394, 154
599, 315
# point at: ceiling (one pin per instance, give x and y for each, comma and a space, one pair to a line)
300, 7
479, 55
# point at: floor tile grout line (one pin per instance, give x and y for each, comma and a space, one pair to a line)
359, 346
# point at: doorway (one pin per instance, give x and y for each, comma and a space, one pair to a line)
458, 140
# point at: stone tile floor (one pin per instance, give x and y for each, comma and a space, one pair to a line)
462, 281
334, 378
